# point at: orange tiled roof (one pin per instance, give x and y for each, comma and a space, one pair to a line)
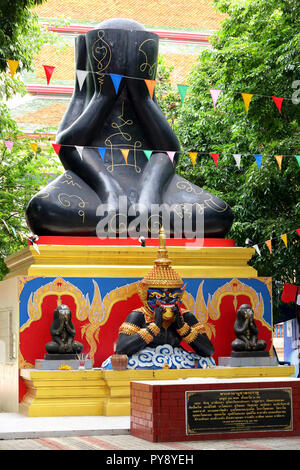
196, 14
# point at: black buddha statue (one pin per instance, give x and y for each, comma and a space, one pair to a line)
104, 196
246, 332
63, 332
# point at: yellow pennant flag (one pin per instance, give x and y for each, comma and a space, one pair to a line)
279, 160
33, 145
13, 65
247, 98
193, 156
150, 85
125, 154
284, 238
269, 245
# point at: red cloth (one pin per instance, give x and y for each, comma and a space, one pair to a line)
289, 293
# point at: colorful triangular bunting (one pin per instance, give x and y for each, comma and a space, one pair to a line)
284, 238
258, 159
150, 85
9, 144
269, 245
215, 157
81, 76
148, 153
116, 79
125, 154
278, 101
257, 249
171, 155
56, 148
79, 149
237, 157
13, 65
182, 91
33, 146
49, 69
247, 98
279, 160
193, 156
102, 151
214, 95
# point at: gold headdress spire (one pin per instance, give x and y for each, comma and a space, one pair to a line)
162, 275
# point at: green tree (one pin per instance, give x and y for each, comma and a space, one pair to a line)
256, 52
22, 170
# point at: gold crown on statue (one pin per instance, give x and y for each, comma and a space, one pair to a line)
162, 275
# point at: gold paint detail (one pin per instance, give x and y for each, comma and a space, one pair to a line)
63, 199
128, 329
184, 330
145, 335
102, 54
153, 328
146, 65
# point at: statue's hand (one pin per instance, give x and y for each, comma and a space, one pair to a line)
179, 321
158, 315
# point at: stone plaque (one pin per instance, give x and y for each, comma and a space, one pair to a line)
260, 409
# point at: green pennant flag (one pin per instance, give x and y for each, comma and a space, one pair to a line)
298, 159
182, 91
148, 153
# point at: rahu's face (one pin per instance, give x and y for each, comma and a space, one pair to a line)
167, 298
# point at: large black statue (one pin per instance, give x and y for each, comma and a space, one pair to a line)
90, 190
62, 331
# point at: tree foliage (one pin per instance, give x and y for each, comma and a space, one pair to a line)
22, 170
257, 52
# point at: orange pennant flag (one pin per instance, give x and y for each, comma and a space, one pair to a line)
247, 97
13, 65
284, 238
193, 156
125, 154
150, 85
269, 245
279, 160
33, 145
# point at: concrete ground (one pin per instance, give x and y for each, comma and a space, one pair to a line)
112, 434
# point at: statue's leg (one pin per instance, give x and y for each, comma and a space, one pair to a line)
211, 216
67, 206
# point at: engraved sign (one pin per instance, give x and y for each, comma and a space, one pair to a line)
260, 409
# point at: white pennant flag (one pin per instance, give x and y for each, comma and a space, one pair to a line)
171, 155
237, 157
81, 76
257, 249
298, 299
79, 149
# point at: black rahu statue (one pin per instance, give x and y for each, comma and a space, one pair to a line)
94, 190
63, 332
155, 333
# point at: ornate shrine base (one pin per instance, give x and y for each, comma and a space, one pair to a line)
99, 279
106, 392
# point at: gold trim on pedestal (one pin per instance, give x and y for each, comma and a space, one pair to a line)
129, 261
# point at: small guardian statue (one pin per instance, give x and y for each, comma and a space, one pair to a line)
246, 332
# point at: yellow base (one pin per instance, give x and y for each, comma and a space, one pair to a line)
107, 392
129, 261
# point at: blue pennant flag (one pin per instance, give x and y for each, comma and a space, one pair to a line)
102, 152
258, 159
116, 79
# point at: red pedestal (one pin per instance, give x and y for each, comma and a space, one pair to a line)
159, 411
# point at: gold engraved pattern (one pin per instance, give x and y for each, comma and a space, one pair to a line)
127, 137
145, 335
63, 199
102, 54
146, 66
129, 329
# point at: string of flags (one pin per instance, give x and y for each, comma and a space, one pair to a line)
117, 78
193, 155
268, 243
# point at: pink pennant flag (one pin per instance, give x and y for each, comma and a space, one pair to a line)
171, 155
215, 95
49, 69
9, 144
278, 101
56, 148
215, 157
